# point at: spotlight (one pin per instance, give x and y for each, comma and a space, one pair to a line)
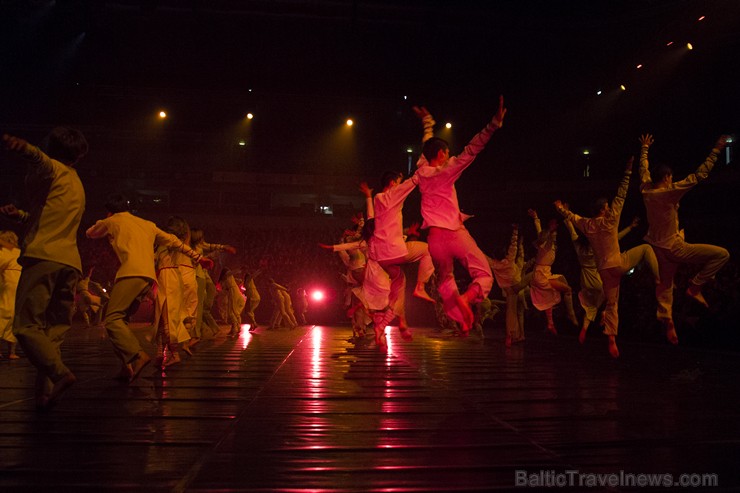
242, 143
622, 87
250, 116
586, 152
669, 43
639, 66
700, 19
162, 114
689, 46
410, 150
598, 93
350, 122
317, 295
448, 125
630, 272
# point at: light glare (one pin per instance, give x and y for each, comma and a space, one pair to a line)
448, 125
162, 114
250, 116
317, 295
689, 46
350, 122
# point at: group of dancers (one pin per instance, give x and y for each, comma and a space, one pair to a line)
376, 248
45, 264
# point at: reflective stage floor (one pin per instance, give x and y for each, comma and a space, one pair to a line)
307, 410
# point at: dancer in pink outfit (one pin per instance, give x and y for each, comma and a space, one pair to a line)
449, 240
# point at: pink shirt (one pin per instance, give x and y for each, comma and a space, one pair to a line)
388, 242
439, 205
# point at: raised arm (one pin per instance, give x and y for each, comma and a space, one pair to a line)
702, 172
368, 193
217, 247
478, 143
520, 253
618, 201
630, 227
571, 229
645, 142
513, 243
27, 151
427, 122
536, 219
97, 230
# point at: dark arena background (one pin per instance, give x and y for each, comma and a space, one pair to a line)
235, 115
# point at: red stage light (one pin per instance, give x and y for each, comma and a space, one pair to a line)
317, 295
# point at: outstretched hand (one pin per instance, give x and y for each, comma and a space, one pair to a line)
635, 222
421, 111
229, 249
501, 111
532, 213
12, 143
646, 140
560, 205
10, 210
721, 142
326, 247
366, 190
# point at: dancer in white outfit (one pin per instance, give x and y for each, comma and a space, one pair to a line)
661, 196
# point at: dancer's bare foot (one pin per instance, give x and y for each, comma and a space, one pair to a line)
59, 388
173, 359
467, 323
613, 349
670, 331
406, 334
186, 348
381, 342
694, 292
124, 373
42, 390
582, 336
138, 364
421, 293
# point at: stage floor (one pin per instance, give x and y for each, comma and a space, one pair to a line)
308, 410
